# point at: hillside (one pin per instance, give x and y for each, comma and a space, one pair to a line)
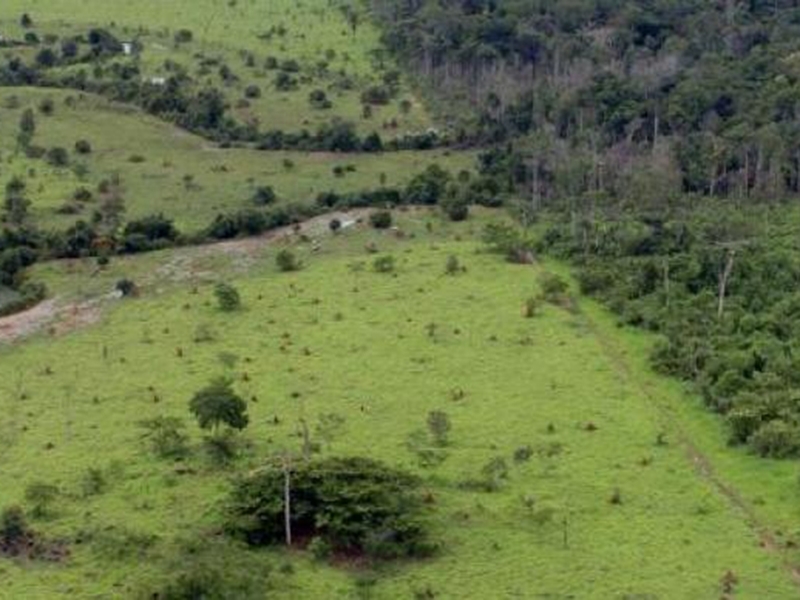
426, 299
506, 382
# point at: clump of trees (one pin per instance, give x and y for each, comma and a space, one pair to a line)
351, 505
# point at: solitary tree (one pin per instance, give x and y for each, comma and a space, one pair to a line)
217, 404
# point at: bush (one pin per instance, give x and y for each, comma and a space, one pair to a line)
376, 94
776, 439
554, 288
46, 106
183, 36
252, 92
452, 266
264, 195
384, 264
227, 296
13, 526
354, 505
83, 147
381, 219
287, 261
57, 157
127, 287
456, 209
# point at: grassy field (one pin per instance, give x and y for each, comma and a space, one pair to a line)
180, 174
569, 384
314, 31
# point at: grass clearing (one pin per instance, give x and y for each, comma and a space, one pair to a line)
180, 174
339, 338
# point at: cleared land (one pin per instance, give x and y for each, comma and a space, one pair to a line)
336, 339
166, 170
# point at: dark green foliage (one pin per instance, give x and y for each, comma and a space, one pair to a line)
57, 157
127, 287
381, 219
252, 92
13, 526
217, 404
427, 187
227, 296
664, 273
148, 233
287, 261
384, 264
83, 147
264, 195
183, 36
354, 505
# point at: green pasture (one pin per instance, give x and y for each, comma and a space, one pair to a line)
381, 351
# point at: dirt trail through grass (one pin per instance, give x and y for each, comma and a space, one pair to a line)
62, 317
701, 463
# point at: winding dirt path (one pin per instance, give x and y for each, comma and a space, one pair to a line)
59, 316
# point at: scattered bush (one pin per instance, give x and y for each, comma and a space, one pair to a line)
252, 92
83, 147
381, 219
384, 264
127, 287
287, 261
57, 157
227, 296
439, 427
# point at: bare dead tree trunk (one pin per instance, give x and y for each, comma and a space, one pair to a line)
723, 281
287, 499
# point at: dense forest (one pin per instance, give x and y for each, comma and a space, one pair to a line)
661, 138
623, 98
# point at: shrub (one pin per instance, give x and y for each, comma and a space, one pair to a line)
354, 505
227, 296
523, 454
381, 219
252, 91
57, 157
776, 439
376, 94
264, 195
439, 426
452, 266
530, 308
335, 225
287, 261
456, 208
127, 287
13, 526
384, 264
83, 147
554, 288
46, 106
183, 36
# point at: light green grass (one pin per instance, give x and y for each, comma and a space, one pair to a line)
222, 180
673, 536
313, 27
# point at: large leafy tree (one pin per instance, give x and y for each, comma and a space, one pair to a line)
218, 405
